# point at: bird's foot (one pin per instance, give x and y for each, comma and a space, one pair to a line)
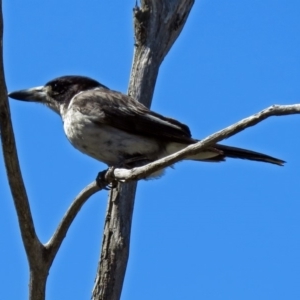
106, 179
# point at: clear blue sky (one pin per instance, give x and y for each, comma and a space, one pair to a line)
203, 231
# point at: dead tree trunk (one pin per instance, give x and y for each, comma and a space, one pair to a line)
157, 24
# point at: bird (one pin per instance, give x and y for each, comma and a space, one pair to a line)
119, 131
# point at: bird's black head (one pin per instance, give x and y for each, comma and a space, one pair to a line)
58, 91
63, 89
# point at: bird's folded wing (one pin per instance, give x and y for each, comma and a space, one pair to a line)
112, 108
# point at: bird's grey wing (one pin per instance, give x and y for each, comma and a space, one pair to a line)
112, 108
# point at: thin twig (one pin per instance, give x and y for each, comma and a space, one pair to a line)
54, 243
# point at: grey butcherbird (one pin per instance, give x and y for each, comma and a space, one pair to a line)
118, 130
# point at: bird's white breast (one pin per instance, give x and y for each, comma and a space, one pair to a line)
103, 142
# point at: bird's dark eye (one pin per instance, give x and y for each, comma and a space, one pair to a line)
58, 89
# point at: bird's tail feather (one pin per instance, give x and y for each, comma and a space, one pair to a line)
235, 152
219, 153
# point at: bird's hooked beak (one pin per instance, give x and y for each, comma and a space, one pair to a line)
36, 94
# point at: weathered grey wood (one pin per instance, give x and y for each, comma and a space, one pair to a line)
157, 24
40, 257
125, 175
33, 247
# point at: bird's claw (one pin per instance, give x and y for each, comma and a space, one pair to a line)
106, 179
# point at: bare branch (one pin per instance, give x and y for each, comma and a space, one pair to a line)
142, 172
54, 243
13, 170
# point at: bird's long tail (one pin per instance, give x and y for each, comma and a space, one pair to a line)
235, 152
219, 153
